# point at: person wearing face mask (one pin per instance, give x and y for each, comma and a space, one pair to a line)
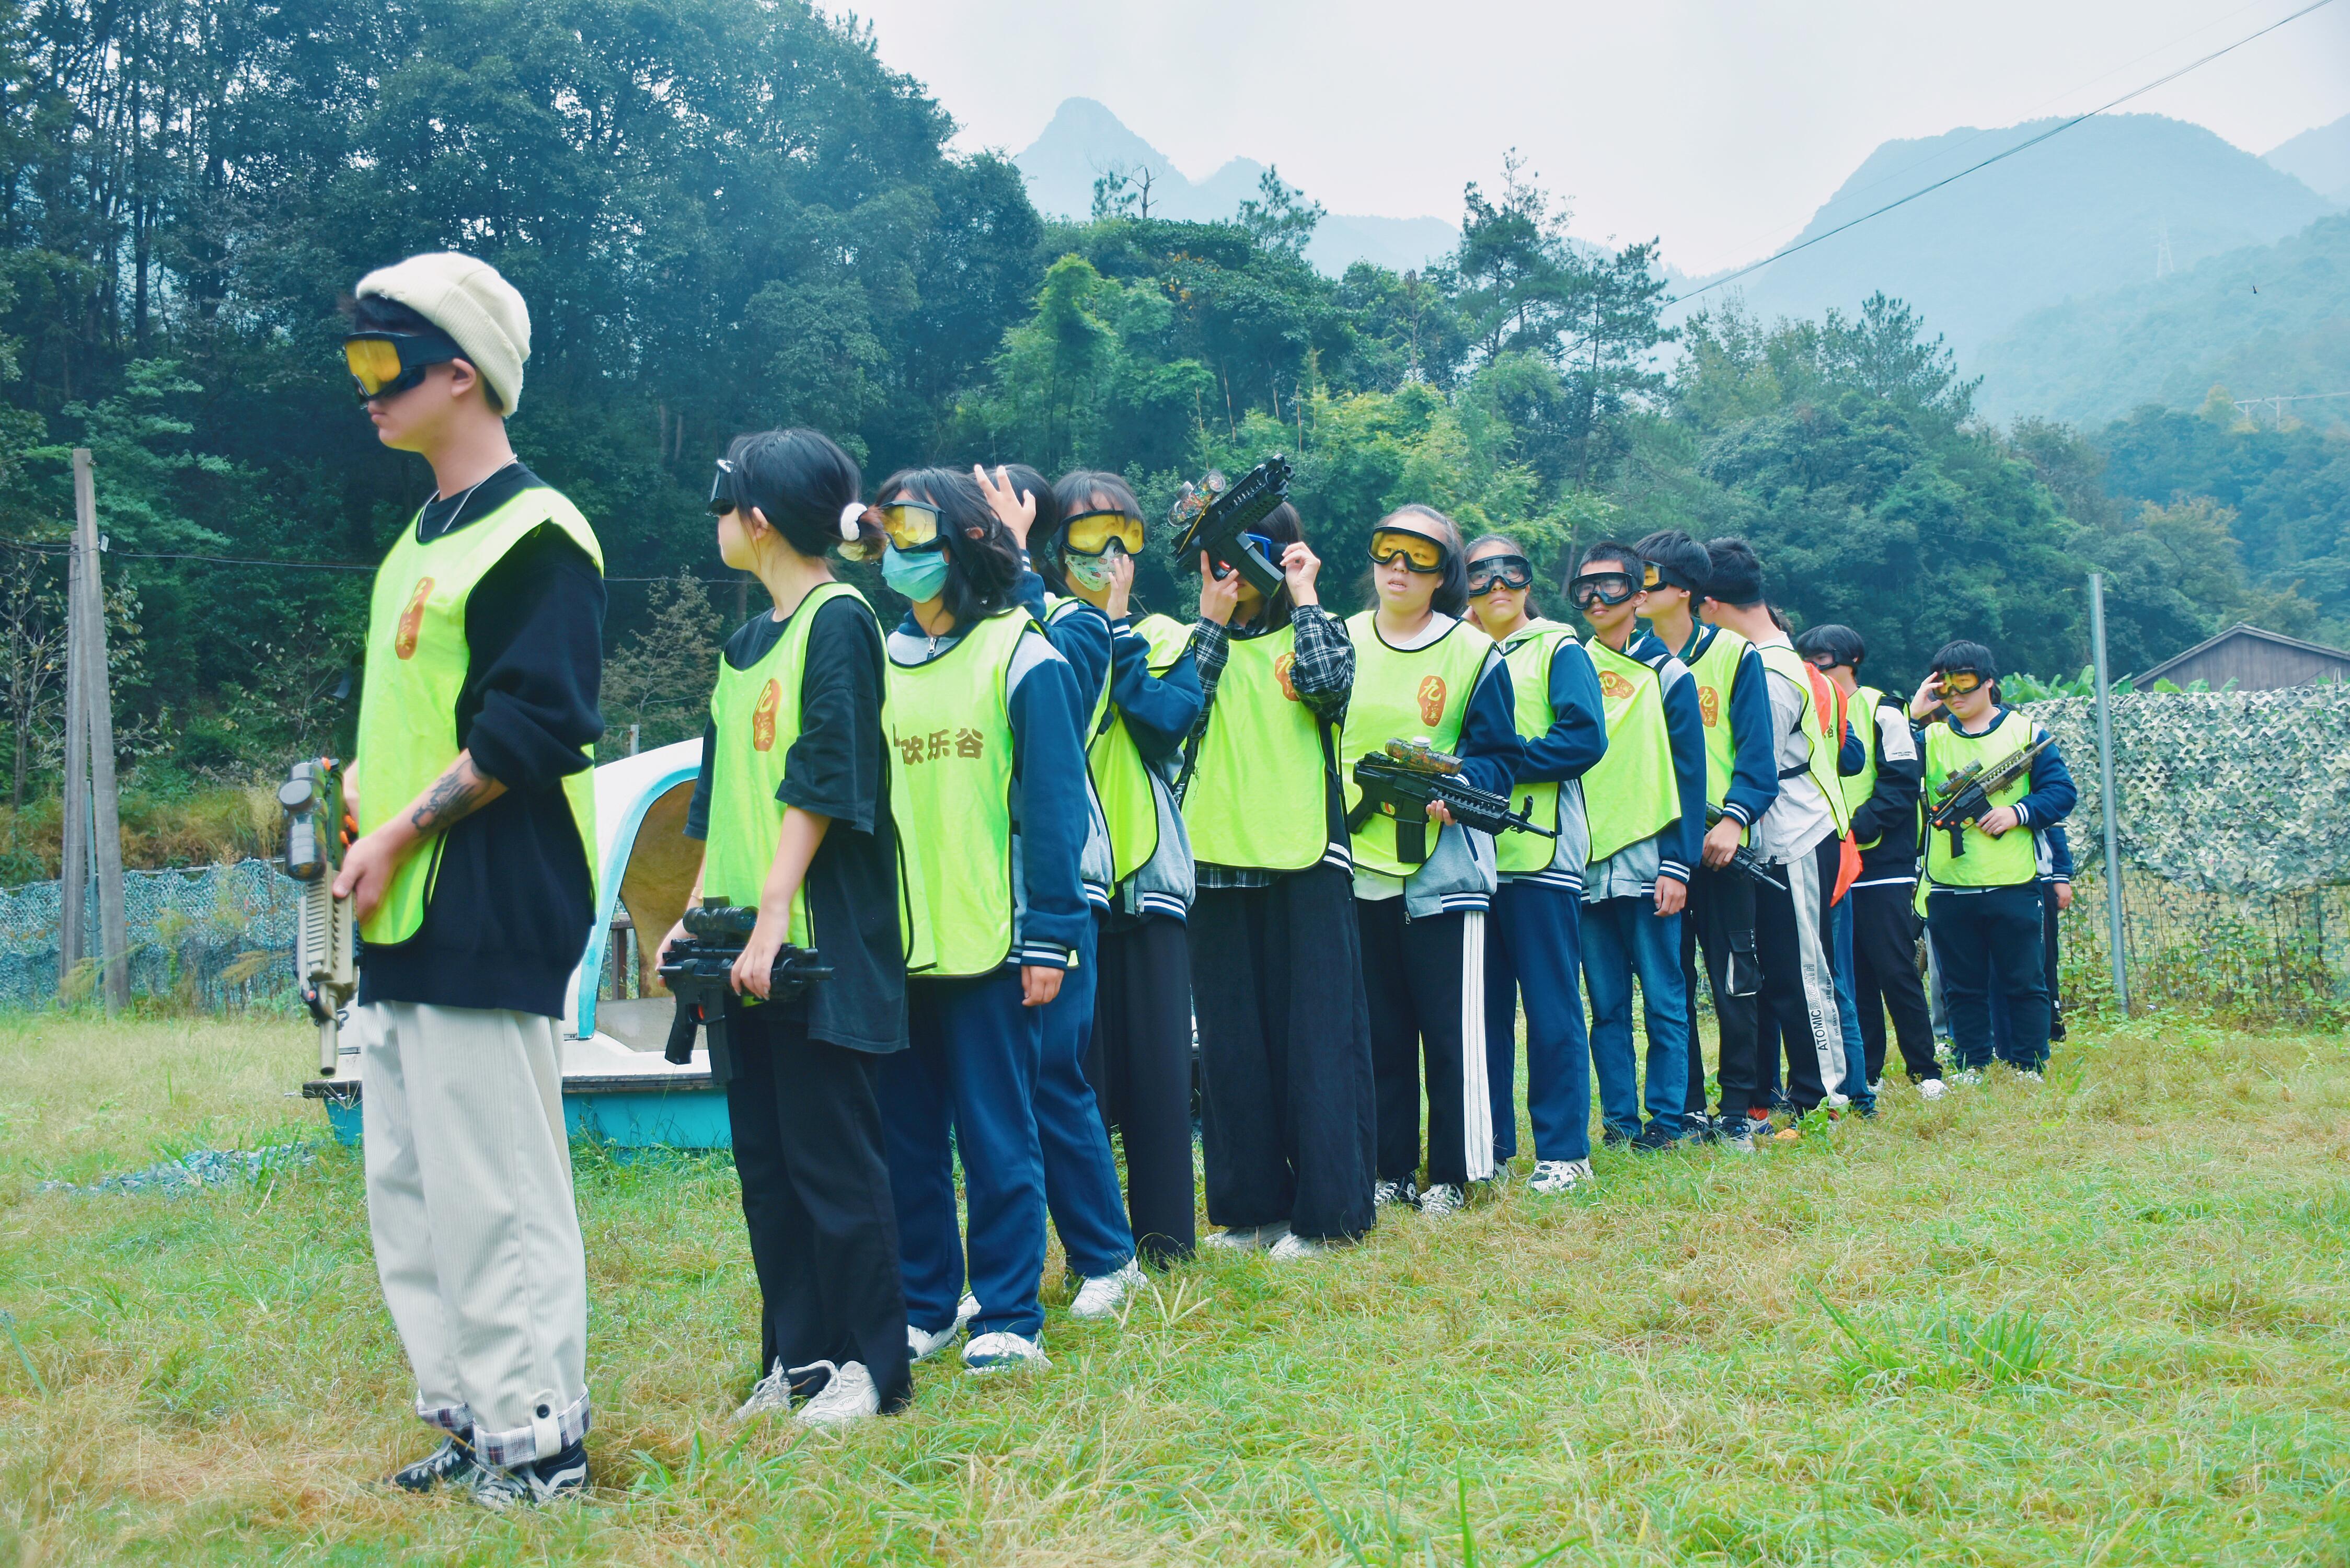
1982, 897
1423, 671
1285, 1094
1080, 1171
1645, 800
1533, 940
793, 807
987, 789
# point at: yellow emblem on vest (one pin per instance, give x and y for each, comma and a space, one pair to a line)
1431, 700
1281, 668
763, 717
1709, 703
1615, 685
411, 619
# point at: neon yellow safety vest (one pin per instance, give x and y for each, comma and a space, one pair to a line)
417, 659
1716, 672
1819, 728
1630, 792
2003, 862
950, 793
755, 714
1421, 693
1121, 779
1258, 797
1528, 653
1859, 786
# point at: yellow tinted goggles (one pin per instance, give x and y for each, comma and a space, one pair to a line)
386, 364
1091, 532
1418, 552
909, 524
1959, 682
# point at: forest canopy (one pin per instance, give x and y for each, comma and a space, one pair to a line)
729, 215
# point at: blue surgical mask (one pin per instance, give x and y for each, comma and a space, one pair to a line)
920, 577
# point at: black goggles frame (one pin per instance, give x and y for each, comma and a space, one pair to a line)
1513, 571
1587, 587
1071, 522
417, 353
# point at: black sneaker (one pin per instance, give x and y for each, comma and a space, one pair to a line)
450, 1464
1657, 1134
1613, 1138
1699, 1127
546, 1481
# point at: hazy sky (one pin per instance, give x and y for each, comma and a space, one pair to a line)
1719, 126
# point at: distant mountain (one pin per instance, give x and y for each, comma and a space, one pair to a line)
2319, 159
1086, 141
2263, 321
2083, 213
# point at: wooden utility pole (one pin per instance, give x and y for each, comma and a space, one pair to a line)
73, 851
96, 852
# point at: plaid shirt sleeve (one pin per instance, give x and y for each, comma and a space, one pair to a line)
1323, 674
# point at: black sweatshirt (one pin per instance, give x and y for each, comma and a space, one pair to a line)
838, 768
511, 909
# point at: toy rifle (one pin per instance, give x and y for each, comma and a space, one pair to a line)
698, 972
326, 945
1965, 795
1212, 517
1402, 779
1744, 860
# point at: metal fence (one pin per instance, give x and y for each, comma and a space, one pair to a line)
215, 937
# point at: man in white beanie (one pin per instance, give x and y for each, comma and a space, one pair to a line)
473, 791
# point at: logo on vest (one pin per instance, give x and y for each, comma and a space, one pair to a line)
411, 619
763, 717
1431, 700
1708, 705
1281, 668
1613, 685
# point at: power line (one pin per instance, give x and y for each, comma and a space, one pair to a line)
2057, 130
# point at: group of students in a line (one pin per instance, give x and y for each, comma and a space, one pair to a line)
1044, 842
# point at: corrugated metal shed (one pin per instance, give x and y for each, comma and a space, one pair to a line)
2256, 660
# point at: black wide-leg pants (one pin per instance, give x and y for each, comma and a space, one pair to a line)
1140, 1068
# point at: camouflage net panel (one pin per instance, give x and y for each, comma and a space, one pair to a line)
2245, 793
215, 937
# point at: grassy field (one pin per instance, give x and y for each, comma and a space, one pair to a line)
2105, 1320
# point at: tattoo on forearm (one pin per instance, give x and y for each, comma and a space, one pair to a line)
454, 794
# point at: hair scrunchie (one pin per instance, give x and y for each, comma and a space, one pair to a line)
849, 514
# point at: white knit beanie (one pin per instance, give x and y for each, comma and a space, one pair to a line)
468, 300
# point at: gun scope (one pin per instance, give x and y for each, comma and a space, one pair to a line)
718, 921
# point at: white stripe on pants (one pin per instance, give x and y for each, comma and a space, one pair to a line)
476, 1236
1476, 1093
1811, 901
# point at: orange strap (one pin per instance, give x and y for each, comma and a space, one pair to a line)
1828, 701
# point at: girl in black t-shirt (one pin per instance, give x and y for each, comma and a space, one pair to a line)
793, 805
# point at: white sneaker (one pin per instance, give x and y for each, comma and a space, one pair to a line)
921, 1343
1836, 1101
1876, 1089
1003, 1351
1292, 1246
1443, 1201
1966, 1077
1102, 1295
1930, 1088
774, 1393
850, 1397
1247, 1238
966, 1309
2029, 1076
1402, 1194
1560, 1175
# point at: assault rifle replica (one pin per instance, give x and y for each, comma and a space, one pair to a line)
698, 972
1401, 780
1965, 795
1212, 517
326, 944
1744, 860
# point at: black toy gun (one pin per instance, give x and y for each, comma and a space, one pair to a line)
1211, 516
325, 934
1965, 795
698, 972
1402, 779
1744, 860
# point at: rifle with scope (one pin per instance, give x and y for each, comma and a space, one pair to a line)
1401, 780
325, 934
698, 972
1965, 796
1213, 517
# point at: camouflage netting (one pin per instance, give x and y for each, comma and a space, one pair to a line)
213, 937
2245, 793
